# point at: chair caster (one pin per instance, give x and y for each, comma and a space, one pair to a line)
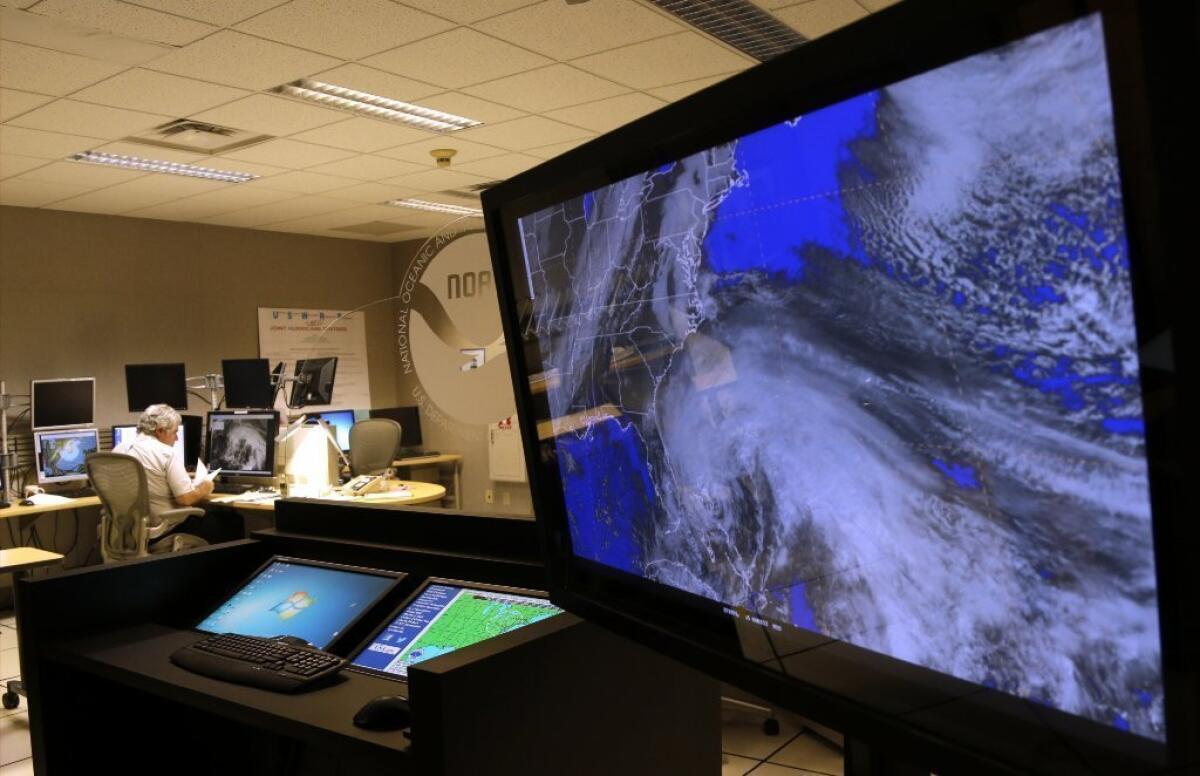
770, 726
11, 700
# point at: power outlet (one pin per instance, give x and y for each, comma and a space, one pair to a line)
489, 496
506, 499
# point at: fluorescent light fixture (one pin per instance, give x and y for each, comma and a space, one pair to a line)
375, 106
436, 207
154, 165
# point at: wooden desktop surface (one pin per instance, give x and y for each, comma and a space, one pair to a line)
16, 510
426, 460
417, 493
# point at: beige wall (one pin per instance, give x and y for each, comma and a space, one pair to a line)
82, 295
455, 436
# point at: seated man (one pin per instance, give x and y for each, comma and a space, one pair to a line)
168, 481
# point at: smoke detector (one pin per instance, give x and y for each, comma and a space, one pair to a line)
443, 156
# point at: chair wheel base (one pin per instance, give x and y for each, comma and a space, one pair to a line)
11, 700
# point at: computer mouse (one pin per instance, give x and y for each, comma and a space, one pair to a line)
387, 712
25, 502
4, 504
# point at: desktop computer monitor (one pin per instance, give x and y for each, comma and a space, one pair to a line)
242, 442
126, 433
247, 383
409, 419
61, 455
307, 599
147, 384
191, 431
340, 422
62, 403
315, 381
444, 616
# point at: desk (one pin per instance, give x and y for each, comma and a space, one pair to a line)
418, 493
16, 510
437, 460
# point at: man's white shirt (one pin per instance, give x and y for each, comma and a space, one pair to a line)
165, 476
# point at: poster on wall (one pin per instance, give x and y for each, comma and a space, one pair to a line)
291, 336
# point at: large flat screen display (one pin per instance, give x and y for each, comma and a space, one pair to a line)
872, 372
309, 600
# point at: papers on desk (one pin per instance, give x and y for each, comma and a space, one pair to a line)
48, 499
202, 474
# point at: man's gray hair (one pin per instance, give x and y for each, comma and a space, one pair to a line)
158, 417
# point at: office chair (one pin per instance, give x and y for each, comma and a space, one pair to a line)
374, 444
120, 483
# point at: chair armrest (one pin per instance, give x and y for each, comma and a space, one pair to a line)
183, 513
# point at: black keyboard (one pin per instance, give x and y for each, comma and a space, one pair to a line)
231, 488
258, 662
75, 493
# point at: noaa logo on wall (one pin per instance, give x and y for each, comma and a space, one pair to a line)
449, 333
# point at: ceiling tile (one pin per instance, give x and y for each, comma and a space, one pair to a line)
501, 167
523, 133
370, 192
234, 59
547, 88
437, 180
34, 69
14, 103
82, 175
347, 217
125, 19
551, 151
288, 153
467, 11
178, 210
564, 31
43, 145
303, 182
349, 29
365, 135
222, 13
664, 61
11, 164
152, 152
55, 34
153, 92
679, 91
369, 79
298, 207
817, 17
270, 115
233, 198
22, 193
241, 165
609, 114
471, 107
367, 168
100, 120
140, 193
877, 5
466, 151
17, 3
457, 58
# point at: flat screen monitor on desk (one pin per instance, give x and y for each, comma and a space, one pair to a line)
242, 443
444, 616
62, 403
409, 419
340, 422
307, 599
61, 454
314, 381
247, 383
147, 384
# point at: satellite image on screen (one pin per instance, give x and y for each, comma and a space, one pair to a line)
873, 372
65, 454
240, 444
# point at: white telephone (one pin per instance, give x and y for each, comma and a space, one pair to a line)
364, 484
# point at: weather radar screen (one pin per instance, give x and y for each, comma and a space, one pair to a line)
872, 372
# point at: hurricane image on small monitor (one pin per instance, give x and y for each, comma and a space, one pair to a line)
872, 372
66, 455
240, 444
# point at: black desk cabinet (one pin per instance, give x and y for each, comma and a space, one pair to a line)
557, 697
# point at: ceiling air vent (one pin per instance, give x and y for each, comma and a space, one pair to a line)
738, 23
197, 137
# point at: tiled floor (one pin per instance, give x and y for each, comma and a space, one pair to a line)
793, 752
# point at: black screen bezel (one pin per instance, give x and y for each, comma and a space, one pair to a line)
396, 576
358, 650
135, 383
250, 391
900, 42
